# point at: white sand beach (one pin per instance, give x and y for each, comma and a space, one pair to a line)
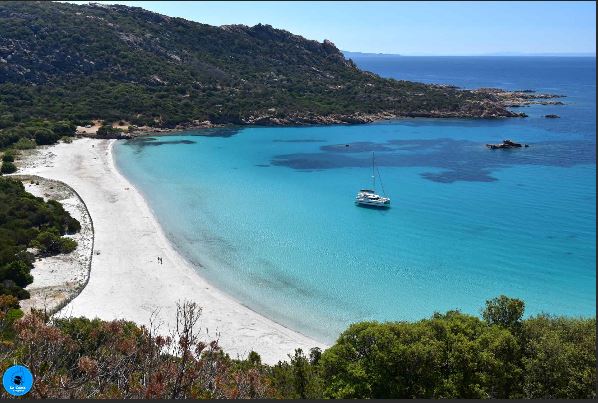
126, 280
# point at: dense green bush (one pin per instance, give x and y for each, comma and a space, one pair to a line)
23, 144
28, 221
45, 136
29, 132
17, 272
8, 158
64, 128
51, 243
108, 131
8, 168
9, 288
454, 355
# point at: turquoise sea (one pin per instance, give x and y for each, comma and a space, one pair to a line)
267, 214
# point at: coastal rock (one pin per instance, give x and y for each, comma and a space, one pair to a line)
506, 144
514, 99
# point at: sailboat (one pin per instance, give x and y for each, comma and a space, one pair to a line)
368, 197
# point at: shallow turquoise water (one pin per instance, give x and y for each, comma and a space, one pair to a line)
290, 243
267, 215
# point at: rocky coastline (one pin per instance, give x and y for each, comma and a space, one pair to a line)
519, 98
495, 105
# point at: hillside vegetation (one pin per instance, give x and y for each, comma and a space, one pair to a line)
80, 62
29, 226
450, 355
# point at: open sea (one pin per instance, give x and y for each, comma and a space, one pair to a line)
268, 216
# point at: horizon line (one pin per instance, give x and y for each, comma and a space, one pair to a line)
497, 54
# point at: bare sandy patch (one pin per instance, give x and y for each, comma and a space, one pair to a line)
121, 125
90, 129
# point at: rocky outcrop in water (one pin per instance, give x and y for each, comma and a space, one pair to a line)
514, 99
506, 144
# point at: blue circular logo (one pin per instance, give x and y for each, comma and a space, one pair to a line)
17, 380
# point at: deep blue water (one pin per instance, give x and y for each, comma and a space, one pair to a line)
267, 214
574, 77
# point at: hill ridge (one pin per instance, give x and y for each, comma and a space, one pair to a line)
65, 61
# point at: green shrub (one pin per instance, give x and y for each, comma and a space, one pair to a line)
107, 130
559, 357
9, 314
50, 243
67, 245
18, 272
8, 168
45, 136
72, 226
8, 158
24, 144
8, 287
455, 355
64, 128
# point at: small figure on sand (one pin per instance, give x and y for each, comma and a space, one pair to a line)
159, 260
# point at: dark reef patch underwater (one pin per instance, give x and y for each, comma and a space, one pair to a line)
140, 142
461, 160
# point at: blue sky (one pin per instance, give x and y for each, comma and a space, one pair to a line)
411, 28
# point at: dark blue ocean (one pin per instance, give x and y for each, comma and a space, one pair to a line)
267, 214
574, 77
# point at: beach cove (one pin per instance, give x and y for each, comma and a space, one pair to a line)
127, 281
268, 216
467, 223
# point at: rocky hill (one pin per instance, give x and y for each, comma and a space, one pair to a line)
63, 61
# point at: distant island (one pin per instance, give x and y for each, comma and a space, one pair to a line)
350, 54
111, 63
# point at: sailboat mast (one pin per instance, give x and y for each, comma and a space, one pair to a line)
373, 174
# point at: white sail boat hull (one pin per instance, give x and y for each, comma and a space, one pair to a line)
372, 204
369, 198
372, 200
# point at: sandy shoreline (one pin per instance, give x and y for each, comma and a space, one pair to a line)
126, 280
